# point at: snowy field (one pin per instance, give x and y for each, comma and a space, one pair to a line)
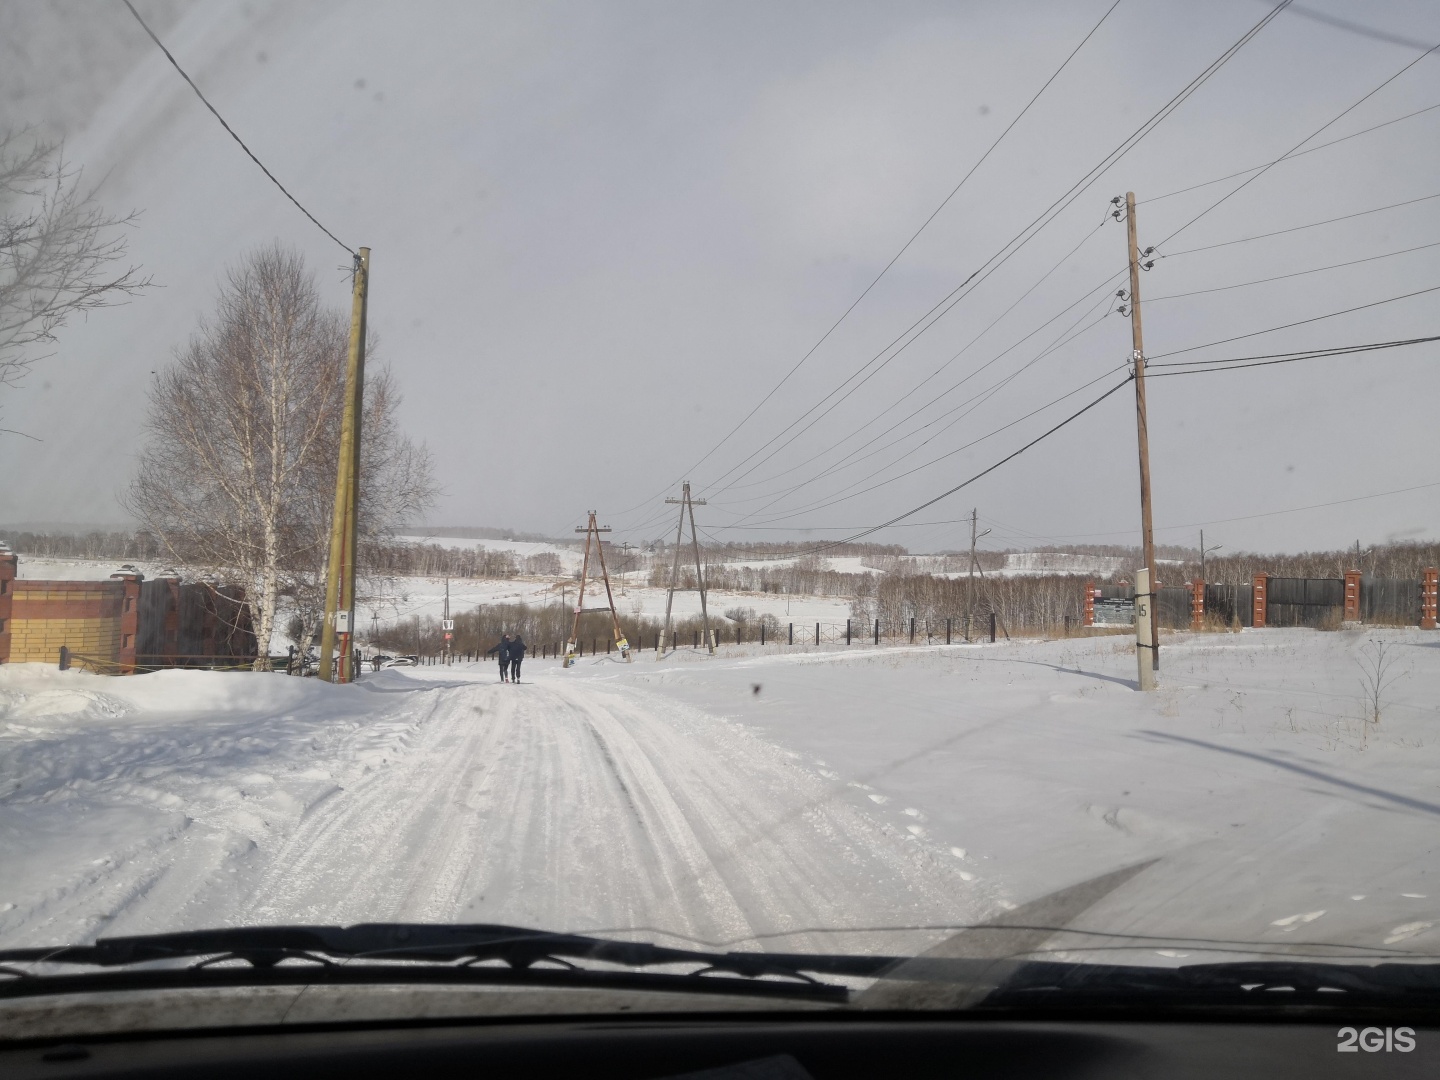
752, 794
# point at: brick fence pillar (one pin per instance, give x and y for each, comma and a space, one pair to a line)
1197, 605
129, 620
1429, 588
9, 568
1257, 610
1352, 596
1089, 609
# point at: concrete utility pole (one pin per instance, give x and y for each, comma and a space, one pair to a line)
970, 582
337, 629
1151, 633
447, 624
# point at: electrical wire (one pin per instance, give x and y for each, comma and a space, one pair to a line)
950, 453
918, 386
1261, 172
966, 483
1283, 277
1299, 228
1026, 234
1205, 367
1288, 157
915, 236
231, 131
1299, 322
975, 401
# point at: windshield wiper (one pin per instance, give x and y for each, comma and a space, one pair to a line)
424, 952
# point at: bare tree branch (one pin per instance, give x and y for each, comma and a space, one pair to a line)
60, 251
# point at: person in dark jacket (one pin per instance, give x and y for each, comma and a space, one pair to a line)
517, 653
502, 653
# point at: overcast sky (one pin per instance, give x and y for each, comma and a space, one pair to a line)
602, 233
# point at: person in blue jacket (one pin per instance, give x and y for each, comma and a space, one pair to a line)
517, 653
502, 653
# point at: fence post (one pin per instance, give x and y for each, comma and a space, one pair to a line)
992, 628
1257, 596
762, 633
847, 631
877, 631
792, 634
947, 631
1352, 596
1429, 592
912, 630
817, 633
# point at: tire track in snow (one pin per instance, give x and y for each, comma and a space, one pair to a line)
578, 807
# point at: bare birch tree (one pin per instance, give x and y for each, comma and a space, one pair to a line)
60, 252
238, 473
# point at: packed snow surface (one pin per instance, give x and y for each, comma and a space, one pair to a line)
783, 798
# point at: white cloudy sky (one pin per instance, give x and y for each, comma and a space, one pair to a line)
602, 232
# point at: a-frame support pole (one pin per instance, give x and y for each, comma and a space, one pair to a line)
593, 529
687, 508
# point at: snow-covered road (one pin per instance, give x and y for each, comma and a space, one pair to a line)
752, 796
560, 803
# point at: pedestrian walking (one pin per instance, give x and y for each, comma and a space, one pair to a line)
517, 653
502, 653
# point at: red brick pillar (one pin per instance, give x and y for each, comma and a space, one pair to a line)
1197, 605
1258, 606
9, 569
1352, 596
1429, 588
1090, 593
129, 620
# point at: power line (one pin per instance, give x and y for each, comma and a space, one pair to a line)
1289, 157
1204, 367
905, 247
1338, 116
1028, 233
932, 375
1191, 524
820, 505
231, 132
966, 483
1300, 322
1283, 277
1064, 338
1299, 228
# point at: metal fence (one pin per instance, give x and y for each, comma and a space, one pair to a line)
1390, 600
1315, 602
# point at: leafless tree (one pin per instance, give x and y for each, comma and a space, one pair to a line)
238, 473
60, 251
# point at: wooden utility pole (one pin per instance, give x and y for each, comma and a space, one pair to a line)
337, 630
592, 529
687, 506
1147, 527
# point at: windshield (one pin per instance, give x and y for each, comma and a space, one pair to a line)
683, 476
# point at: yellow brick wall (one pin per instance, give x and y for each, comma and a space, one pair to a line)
40, 639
